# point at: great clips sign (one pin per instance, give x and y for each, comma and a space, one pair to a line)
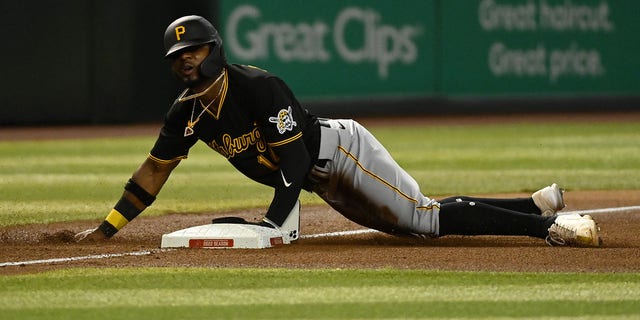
335, 48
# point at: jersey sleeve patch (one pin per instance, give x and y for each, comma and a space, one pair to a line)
284, 120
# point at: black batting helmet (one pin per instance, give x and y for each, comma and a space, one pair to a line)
190, 31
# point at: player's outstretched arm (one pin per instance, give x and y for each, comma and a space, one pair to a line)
140, 192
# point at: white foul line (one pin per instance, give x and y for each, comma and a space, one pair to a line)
338, 233
606, 210
311, 236
89, 257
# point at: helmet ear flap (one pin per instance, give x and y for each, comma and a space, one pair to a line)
214, 62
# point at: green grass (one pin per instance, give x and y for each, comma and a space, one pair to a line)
316, 294
46, 181
519, 157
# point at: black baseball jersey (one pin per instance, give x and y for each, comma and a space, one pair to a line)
260, 128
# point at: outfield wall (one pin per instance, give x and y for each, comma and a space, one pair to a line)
420, 56
90, 61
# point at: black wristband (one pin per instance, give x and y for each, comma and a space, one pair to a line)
127, 209
145, 197
108, 230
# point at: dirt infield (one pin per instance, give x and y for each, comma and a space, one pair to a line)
620, 252
619, 230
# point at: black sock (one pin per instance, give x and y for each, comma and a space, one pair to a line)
525, 205
477, 218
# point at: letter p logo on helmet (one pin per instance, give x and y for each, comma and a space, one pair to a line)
180, 30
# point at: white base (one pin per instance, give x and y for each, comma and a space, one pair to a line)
224, 236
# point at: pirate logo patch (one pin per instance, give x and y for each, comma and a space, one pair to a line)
284, 121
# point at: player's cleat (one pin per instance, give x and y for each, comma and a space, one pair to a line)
574, 230
549, 199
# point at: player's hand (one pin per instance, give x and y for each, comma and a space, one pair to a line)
91, 235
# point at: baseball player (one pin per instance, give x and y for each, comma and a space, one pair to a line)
252, 118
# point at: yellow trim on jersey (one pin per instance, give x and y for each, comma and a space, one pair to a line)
223, 95
381, 180
162, 161
116, 219
283, 142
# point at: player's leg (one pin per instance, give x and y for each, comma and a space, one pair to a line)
365, 184
524, 205
470, 218
546, 201
477, 218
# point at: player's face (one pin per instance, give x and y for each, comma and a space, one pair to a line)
186, 64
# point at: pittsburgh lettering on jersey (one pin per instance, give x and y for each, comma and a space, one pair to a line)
229, 147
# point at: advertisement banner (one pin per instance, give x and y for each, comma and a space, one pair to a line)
332, 48
540, 47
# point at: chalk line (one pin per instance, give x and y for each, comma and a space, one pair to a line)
310, 236
606, 210
338, 233
78, 258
